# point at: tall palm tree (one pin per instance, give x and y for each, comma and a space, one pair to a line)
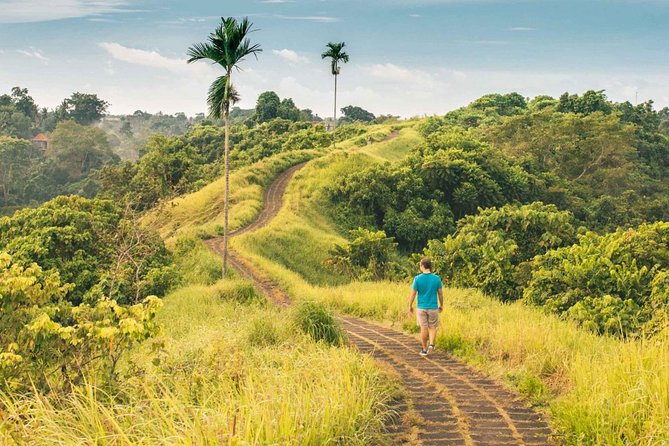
227, 47
334, 52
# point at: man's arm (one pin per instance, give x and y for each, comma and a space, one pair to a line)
411, 299
440, 292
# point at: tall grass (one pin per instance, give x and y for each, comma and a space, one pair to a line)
318, 322
597, 390
226, 370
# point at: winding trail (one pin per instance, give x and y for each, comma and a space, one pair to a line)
447, 402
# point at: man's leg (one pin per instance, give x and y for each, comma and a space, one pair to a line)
433, 335
433, 324
424, 334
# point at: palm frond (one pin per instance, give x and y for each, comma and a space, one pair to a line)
334, 52
219, 99
228, 45
202, 51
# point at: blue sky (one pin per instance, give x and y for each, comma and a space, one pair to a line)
411, 57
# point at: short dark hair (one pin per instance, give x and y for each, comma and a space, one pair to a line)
426, 263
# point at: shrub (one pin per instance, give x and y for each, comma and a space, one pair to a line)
368, 256
492, 251
318, 322
615, 283
47, 341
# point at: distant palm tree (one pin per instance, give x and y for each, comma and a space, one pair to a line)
227, 46
334, 52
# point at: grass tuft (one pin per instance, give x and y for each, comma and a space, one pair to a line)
317, 321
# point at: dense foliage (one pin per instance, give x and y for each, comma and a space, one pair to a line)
79, 279
30, 175
493, 250
93, 244
614, 283
354, 113
370, 255
172, 165
522, 177
46, 340
419, 199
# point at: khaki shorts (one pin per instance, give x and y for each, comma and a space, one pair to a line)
427, 318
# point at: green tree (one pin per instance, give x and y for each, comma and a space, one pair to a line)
16, 157
14, 123
368, 256
46, 341
500, 104
614, 283
227, 47
594, 150
77, 149
267, 106
337, 56
590, 102
24, 102
354, 113
493, 250
93, 244
288, 110
83, 108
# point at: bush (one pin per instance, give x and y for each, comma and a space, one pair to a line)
492, 251
368, 256
615, 283
48, 342
318, 322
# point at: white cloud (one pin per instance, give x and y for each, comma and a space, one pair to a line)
24, 11
153, 59
290, 56
396, 73
320, 19
415, 16
34, 53
277, 1
522, 28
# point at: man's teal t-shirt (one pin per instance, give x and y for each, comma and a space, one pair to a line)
426, 285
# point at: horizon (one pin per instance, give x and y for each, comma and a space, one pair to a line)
132, 53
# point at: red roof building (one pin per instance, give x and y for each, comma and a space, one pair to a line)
41, 142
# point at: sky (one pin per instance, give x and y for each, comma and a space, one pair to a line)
407, 58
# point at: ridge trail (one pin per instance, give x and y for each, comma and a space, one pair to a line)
451, 402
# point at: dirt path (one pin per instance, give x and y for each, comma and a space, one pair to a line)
448, 402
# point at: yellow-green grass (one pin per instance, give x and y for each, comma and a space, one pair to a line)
222, 373
395, 149
201, 213
598, 390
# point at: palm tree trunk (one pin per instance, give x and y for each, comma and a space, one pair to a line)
226, 169
334, 128
335, 104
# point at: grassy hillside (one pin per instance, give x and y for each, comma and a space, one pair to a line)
227, 368
598, 390
201, 213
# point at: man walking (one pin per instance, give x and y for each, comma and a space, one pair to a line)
427, 286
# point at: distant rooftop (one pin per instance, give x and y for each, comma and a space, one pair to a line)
40, 137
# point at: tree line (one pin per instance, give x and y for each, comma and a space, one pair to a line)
561, 202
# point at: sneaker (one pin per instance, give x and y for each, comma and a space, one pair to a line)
423, 352
430, 348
